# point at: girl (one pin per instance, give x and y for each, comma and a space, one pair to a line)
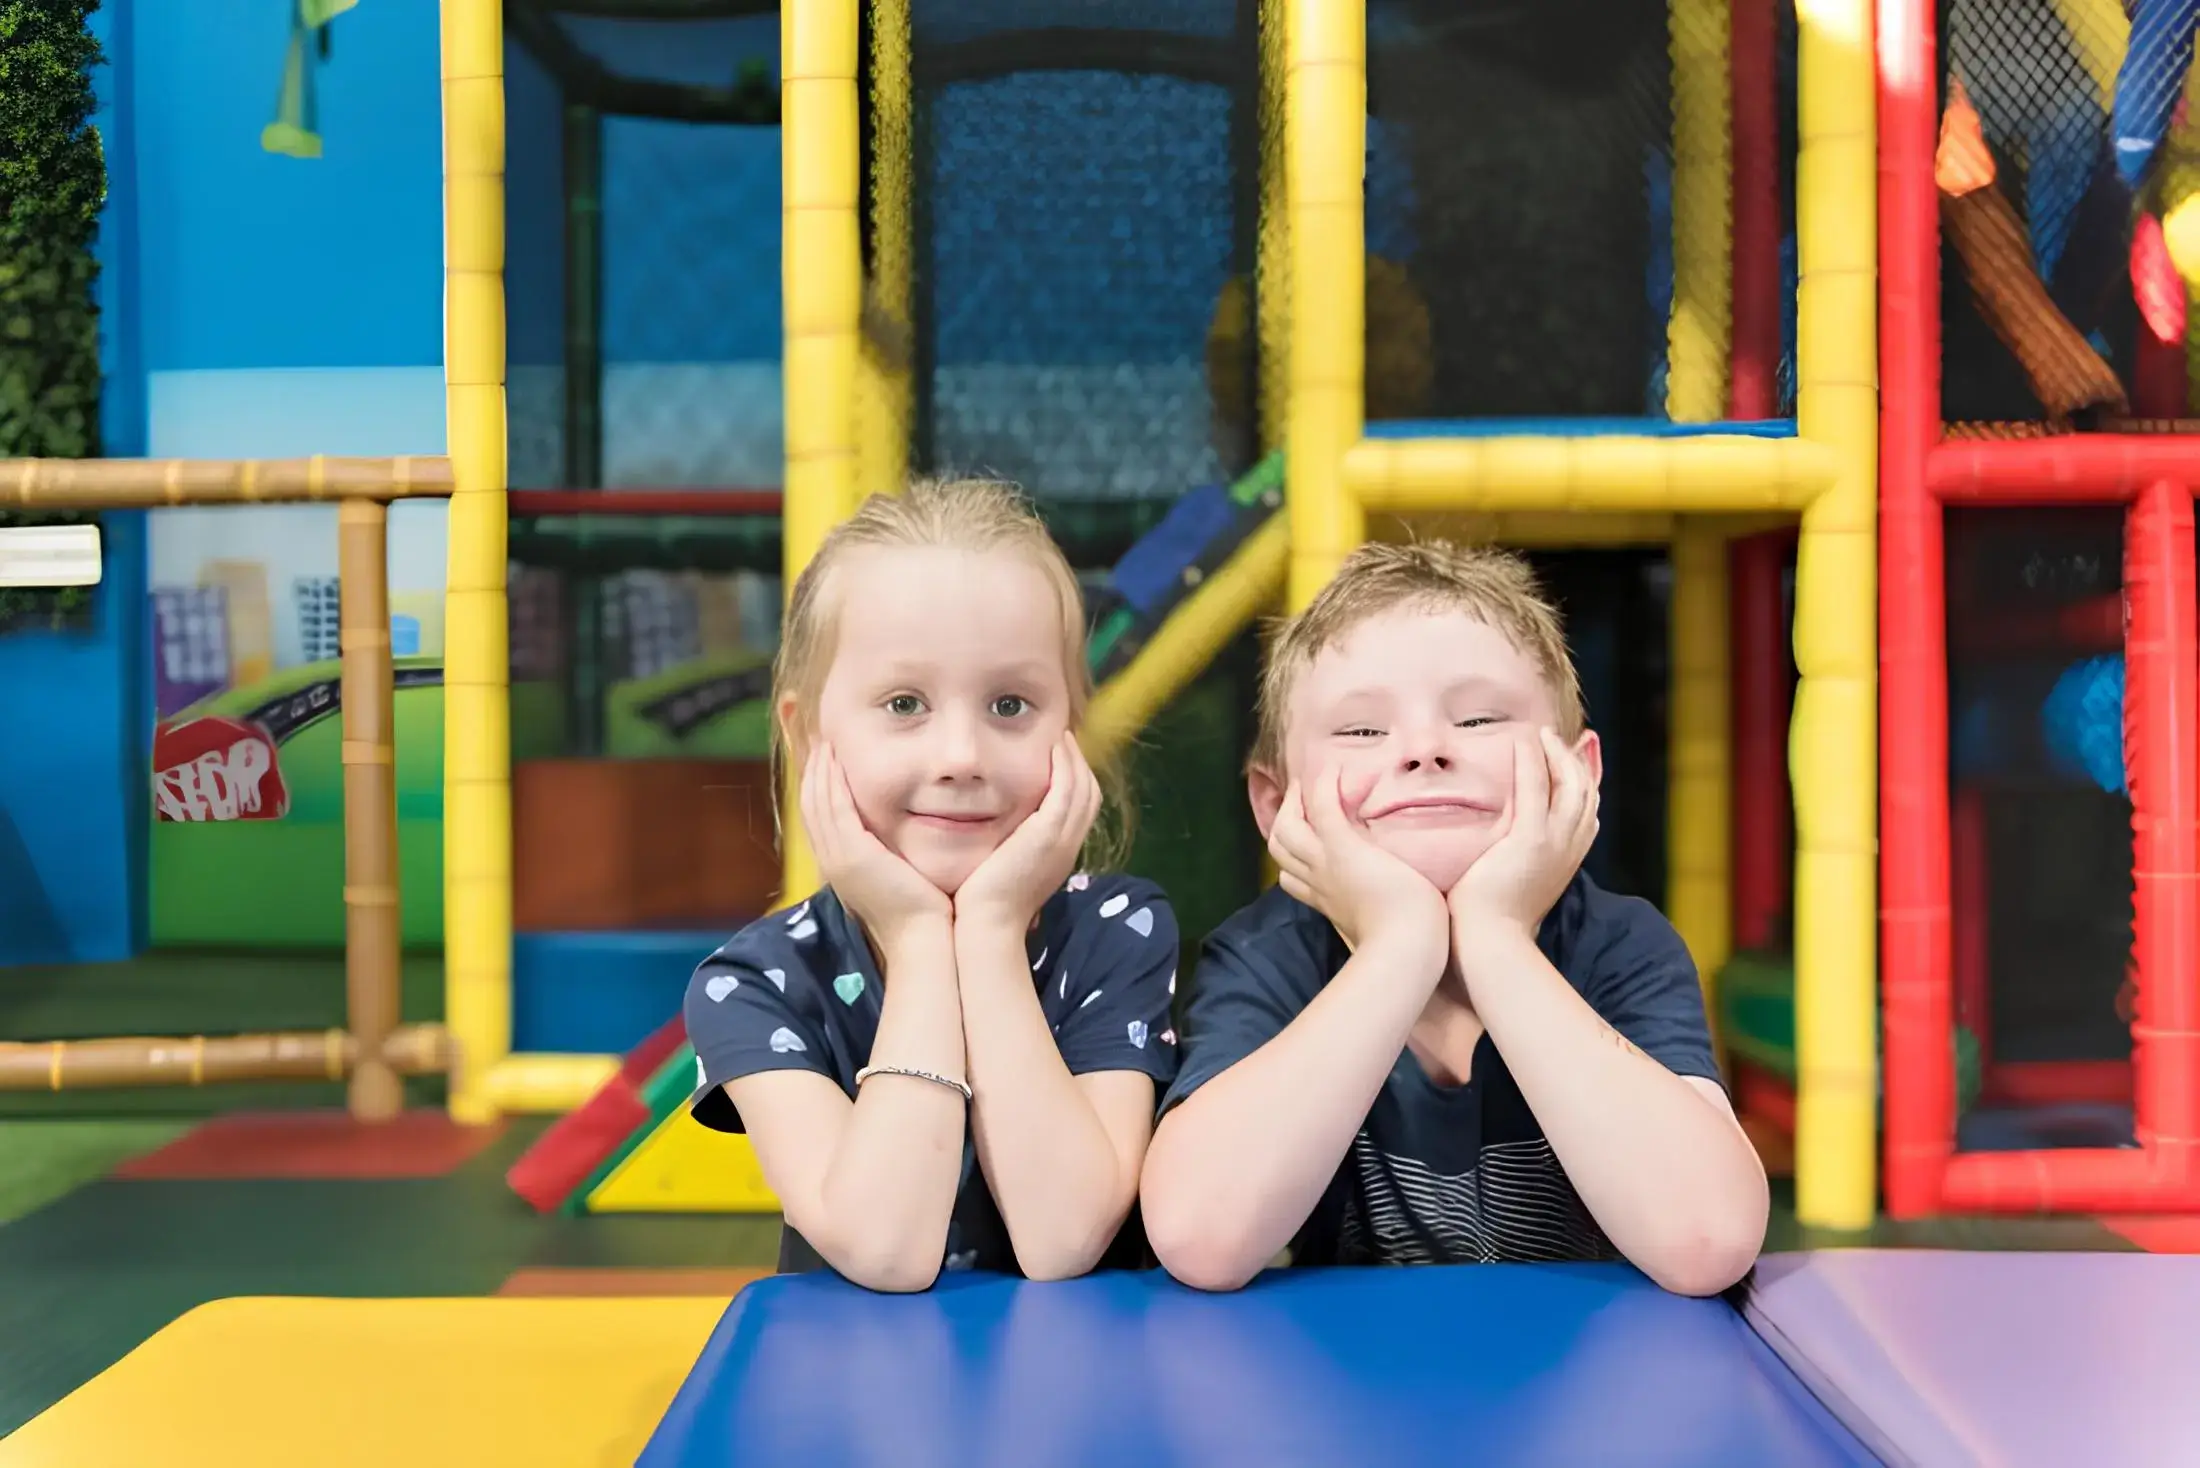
947, 1057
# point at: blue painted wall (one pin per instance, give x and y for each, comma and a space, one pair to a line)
219, 263
255, 260
262, 305
76, 737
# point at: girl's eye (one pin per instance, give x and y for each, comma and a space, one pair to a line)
1479, 721
1009, 706
1361, 733
905, 705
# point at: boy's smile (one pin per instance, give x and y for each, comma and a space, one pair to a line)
1421, 710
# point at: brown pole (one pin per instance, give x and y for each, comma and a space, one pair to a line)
373, 933
130, 484
205, 1060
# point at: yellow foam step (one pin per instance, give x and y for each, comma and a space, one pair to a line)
685, 1167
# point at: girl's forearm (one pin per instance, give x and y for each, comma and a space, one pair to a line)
1671, 1179
891, 1188
1062, 1186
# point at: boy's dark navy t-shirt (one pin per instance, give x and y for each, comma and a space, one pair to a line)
799, 990
1447, 1174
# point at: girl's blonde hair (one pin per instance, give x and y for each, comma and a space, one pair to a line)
948, 514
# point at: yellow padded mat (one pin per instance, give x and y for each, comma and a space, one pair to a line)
534, 1383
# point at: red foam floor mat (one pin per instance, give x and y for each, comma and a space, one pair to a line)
2171, 1233
315, 1144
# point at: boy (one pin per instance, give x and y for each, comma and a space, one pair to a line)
1437, 1041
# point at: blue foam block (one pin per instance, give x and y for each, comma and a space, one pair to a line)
600, 993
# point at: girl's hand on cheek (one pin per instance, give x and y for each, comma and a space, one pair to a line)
885, 893
1011, 885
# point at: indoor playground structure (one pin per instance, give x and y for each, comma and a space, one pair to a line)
2028, 1062
1846, 388
1309, 337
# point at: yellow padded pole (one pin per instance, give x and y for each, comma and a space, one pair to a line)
1325, 151
477, 737
526, 1085
1699, 333
1699, 342
1833, 749
1716, 473
822, 277
885, 397
1699, 788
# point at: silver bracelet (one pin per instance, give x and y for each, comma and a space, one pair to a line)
923, 1075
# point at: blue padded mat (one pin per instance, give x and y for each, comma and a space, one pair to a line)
1389, 1368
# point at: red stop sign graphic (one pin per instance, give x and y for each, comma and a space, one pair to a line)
217, 770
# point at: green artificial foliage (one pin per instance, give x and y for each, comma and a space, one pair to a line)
53, 179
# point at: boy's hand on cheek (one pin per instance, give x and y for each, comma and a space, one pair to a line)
1328, 861
1550, 825
888, 895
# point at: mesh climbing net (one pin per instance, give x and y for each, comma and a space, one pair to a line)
2063, 154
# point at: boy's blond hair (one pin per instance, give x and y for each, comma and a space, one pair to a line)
1493, 586
950, 514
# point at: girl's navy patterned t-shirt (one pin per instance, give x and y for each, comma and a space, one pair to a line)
800, 990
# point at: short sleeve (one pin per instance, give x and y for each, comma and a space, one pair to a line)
1248, 987
1118, 968
1644, 985
741, 1022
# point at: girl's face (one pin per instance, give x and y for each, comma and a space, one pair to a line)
943, 699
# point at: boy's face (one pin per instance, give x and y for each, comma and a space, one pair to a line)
1421, 712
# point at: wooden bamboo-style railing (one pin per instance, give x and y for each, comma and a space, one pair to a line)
152, 484
374, 1052
206, 1060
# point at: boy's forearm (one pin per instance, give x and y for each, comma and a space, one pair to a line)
1671, 1179
890, 1190
1235, 1169
1062, 1187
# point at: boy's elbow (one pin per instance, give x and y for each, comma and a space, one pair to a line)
1709, 1259
1193, 1248
1212, 1265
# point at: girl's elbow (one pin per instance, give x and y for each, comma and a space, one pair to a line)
887, 1264
1056, 1265
1066, 1256
1073, 1248
890, 1273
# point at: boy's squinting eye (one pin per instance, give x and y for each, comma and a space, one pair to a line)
1010, 706
905, 705
1359, 731
1480, 721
